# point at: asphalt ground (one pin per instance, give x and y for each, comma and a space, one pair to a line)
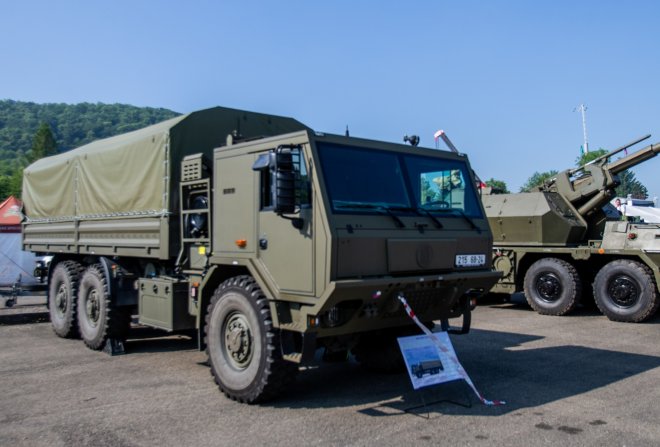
574, 380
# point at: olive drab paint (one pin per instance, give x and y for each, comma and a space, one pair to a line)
269, 239
564, 242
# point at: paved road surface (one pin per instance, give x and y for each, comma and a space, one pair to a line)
577, 380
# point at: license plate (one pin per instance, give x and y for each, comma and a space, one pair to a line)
470, 260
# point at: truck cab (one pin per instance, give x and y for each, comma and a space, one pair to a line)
334, 228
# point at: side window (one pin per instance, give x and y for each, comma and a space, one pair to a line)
266, 190
295, 164
303, 192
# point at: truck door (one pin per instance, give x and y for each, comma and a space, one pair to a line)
285, 247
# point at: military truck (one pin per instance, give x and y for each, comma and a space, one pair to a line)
430, 367
557, 243
265, 238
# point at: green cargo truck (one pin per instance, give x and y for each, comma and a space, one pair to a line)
267, 239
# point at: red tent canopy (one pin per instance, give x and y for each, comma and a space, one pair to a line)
11, 215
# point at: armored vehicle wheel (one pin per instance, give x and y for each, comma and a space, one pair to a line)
242, 346
62, 297
98, 319
552, 286
624, 290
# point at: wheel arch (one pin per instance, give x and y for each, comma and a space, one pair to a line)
120, 288
216, 275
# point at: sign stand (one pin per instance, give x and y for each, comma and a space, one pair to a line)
429, 368
425, 404
431, 359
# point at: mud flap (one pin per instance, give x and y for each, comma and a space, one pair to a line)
465, 327
114, 346
297, 347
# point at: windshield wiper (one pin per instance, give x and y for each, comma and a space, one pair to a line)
463, 215
426, 212
370, 206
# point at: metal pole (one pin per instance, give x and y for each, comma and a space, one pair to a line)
582, 108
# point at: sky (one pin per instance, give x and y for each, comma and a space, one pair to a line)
502, 78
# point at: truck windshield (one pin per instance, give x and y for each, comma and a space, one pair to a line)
362, 180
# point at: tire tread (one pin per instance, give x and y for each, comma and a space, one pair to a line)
647, 311
73, 271
278, 373
574, 282
117, 320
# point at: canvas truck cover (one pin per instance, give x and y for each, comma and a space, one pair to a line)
120, 195
137, 173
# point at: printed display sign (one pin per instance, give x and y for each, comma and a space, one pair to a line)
426, 364
442, 362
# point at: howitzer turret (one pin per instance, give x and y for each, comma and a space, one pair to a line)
567, 208
555, 243
591, 186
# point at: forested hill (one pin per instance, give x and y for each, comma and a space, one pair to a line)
72, 124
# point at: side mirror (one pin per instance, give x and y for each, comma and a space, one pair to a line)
280, 185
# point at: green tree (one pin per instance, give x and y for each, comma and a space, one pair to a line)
5, 188
72, 125
43, 144
630, 185
537, 179
15, 184
428, 194
497, 185
589, 156
11, 185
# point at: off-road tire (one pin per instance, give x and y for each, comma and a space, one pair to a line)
242, 346
98, 319
624, 290
552, 286
62, 298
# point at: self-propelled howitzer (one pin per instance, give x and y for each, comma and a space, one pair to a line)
557, 243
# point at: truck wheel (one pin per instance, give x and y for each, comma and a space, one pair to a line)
98, 319
242, 346
62, 297
552, 286
624, 290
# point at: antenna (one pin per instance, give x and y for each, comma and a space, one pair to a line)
583, 109
441, 134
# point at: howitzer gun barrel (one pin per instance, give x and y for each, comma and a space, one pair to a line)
631, 160
611, 153
595, 185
